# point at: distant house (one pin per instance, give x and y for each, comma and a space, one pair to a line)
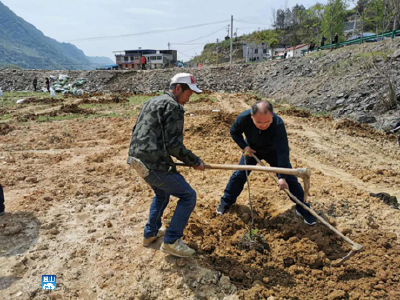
131, 59
278, 49
252, 51
296, 51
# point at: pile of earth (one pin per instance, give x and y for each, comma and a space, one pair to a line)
64, 110
5, 128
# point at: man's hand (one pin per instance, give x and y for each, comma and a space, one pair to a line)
200, 166
283, 184
248, 151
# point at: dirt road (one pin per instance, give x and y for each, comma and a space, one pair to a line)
76, 211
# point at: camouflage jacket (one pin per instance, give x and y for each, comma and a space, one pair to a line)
158, 134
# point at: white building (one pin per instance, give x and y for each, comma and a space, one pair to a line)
252, 51
158, 60
296, 51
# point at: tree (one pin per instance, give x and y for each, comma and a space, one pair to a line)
395, 8
333, 19
266, 36
280, 19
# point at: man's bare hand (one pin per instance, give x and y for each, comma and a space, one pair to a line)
248, 151
283, 184
200, 166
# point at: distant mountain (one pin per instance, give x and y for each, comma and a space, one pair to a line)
23, 45
100, 60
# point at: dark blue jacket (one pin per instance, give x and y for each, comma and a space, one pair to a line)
264, 142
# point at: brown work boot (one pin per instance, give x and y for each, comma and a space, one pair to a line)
179, 249
151, 240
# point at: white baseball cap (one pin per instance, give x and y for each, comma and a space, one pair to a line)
187, 79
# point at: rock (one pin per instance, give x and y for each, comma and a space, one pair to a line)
225, 283
31, 180
340, 101
370, 106
47, 198
43, 247
257, 282
337, 294
179, 283
54, 231
396, 54
181, 262
48, 226
288, 261
366, 119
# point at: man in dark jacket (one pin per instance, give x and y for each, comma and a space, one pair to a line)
35, 84
2, 207
336, 38
266, 137
47, 84
323, 39
157, 135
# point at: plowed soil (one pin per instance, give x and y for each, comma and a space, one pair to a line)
75, 210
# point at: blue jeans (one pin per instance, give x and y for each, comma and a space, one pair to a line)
238, 179
164, 185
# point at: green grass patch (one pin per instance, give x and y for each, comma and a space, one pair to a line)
5, 117
281, 107
76, 116
382, 54
321, 114
318, 54
59, 118
9, 99
138, 100
197, 97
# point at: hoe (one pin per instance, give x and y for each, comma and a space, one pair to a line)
303, 173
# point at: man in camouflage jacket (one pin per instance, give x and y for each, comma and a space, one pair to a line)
157, 135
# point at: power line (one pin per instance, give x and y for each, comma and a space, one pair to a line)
247, 22
147, 32
190, 44
182, 43
192, 48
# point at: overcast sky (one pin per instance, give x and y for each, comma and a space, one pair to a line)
71, 20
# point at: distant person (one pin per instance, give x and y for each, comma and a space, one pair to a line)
144, 61
323, 39
2, 207
336, 39
47, 84
285, 55
35, 84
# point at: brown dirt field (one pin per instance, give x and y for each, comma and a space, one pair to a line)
75, 210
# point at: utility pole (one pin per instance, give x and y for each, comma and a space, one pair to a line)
217, 51
230, 60
169, 44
